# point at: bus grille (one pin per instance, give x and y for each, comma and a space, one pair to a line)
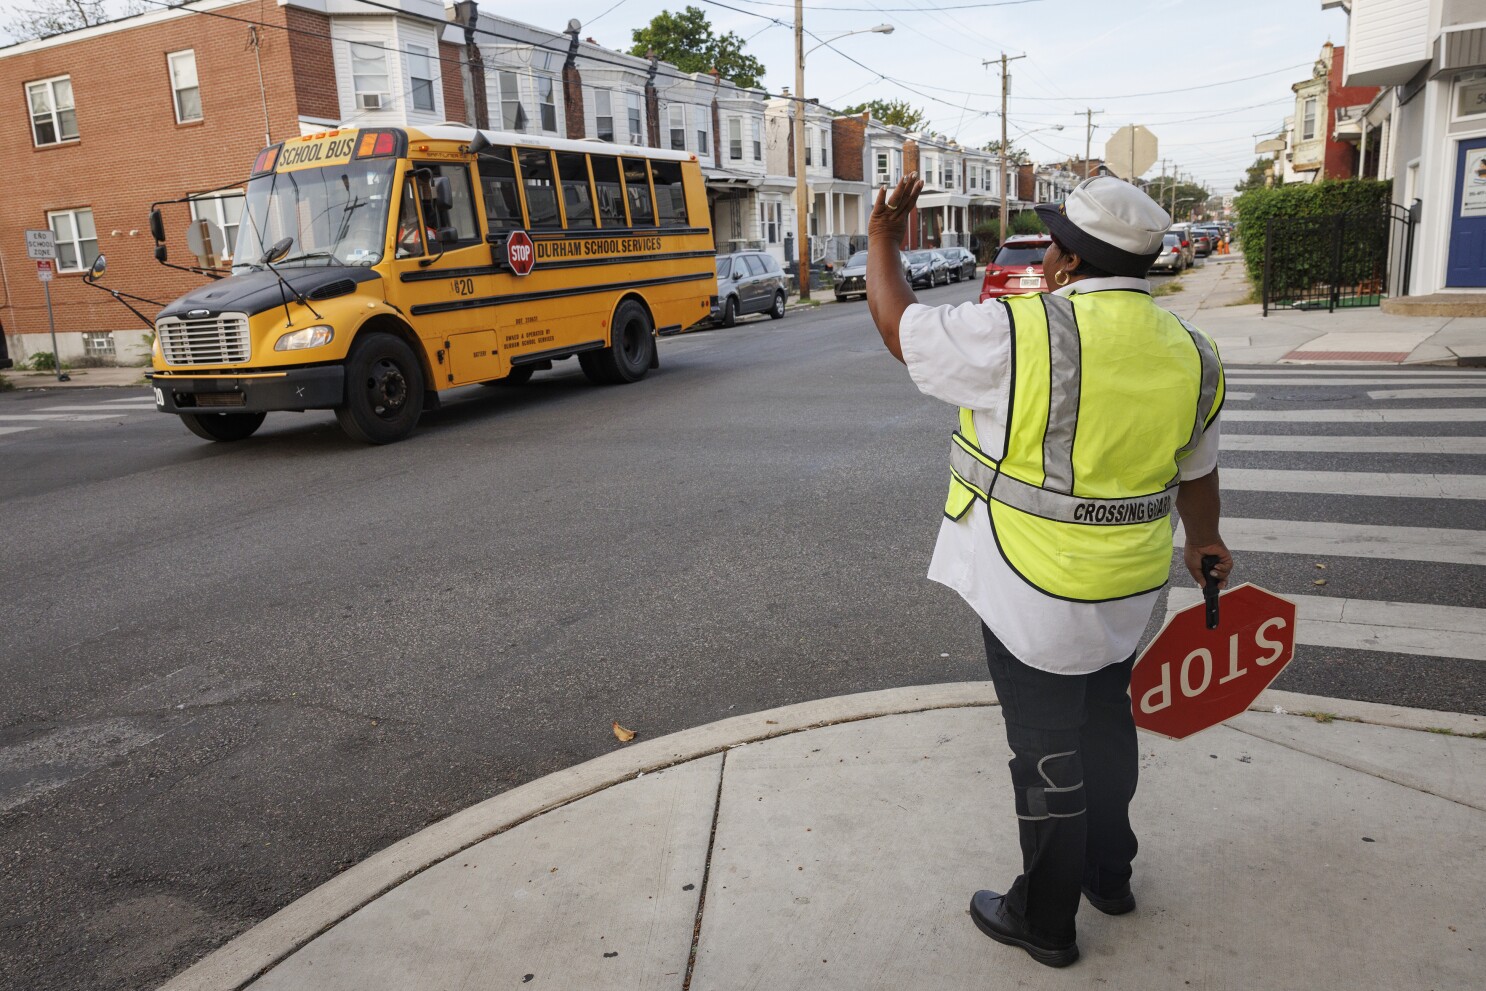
219, 340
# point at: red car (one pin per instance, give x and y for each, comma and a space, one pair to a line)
1017, 267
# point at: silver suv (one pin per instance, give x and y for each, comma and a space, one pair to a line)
748, 282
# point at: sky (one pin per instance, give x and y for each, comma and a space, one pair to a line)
1209, 78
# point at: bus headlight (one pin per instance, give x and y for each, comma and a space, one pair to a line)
309, 337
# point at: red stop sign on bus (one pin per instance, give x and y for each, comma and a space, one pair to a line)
1190, 678
520, 254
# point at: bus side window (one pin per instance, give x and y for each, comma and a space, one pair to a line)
498, 182
610, 192
541, 189
637, 188
670, 194
461, 214
577, 199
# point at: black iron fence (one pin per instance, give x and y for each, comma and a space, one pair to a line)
1339, 260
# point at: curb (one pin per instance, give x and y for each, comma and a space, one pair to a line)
253, 953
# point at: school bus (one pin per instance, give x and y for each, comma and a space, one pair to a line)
376, 269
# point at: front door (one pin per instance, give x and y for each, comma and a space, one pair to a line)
1467, 262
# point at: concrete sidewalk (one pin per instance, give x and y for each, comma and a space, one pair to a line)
1212, 298
80, 378
835, 844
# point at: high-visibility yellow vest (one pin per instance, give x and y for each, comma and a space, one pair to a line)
1109, 393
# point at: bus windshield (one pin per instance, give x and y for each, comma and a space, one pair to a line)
337, 215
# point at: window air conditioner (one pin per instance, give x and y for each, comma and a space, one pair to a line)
882, 178
369, 101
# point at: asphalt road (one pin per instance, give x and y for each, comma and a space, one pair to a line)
235, 670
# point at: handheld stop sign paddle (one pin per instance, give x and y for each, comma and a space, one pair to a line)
1204, 668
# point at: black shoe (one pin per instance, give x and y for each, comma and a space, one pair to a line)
1117, 904
988, 910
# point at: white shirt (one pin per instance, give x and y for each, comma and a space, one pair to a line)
962, 355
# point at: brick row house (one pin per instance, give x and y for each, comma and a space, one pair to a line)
175, 103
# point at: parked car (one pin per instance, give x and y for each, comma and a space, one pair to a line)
1017, 267
748, 282
1173, 257
1202, 242
1188, 250
927, 268
851, 276
1215, 233
961, 262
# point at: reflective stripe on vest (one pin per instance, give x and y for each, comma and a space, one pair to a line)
1086, 517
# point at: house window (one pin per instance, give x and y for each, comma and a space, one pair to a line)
772, 220
369, 76
809, 146
758, 140
53, 118
77, 242
702, 141
636, 128
825, 159
1308, 120
513, 114
603, 109
226, 211
882, 171
420, 73
677, 114
183, 85
98, 344
735, 139
547, 101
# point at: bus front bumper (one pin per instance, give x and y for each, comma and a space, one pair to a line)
255, 392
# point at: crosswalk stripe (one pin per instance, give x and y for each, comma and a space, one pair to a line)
14, 430
1313, 539
98, 409
68, 417
1356, 483
1472, 415
1229, 397
1428, 394
1309, 372
1375, 444
1361, 624
133, 399
1381, 380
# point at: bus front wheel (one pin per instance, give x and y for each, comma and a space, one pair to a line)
384, 390
223, 426
631, 349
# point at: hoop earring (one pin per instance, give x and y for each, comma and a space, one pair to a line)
1061, 279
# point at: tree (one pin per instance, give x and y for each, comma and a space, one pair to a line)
687, 41
1013, 154
896, 113
48, 17
1190, 198
1255, 177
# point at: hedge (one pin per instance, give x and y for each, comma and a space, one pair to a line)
1319, 199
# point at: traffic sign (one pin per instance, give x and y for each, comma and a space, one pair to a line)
1130, 152
41, 245
1191, 678
520, 254
44, 270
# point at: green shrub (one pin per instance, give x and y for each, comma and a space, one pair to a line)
1321, 199
1026, 222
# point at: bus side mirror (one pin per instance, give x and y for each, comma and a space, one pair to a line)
160, 253
157, 226
279, 250
95, 270
443, 192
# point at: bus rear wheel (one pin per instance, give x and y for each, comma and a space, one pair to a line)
631, 349
384, 390
223, 426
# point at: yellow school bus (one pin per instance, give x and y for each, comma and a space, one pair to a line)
376, 269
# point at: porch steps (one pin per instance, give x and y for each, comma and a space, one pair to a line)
1440, 304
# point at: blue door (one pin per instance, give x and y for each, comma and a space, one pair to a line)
1467, 264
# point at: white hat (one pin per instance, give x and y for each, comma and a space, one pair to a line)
1109, 223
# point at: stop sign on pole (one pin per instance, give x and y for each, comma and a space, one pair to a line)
520, 254
1130, 152
1191, 678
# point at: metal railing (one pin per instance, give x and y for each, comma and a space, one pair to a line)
1337, 261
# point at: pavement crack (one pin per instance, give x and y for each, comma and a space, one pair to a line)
696, 932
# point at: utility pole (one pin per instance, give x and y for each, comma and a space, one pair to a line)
1088, 136
1005, 156
802, 188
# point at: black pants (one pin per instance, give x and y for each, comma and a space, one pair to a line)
1074, 768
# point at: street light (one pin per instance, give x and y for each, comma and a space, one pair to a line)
802, 188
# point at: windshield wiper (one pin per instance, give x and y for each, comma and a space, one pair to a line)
312, 254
